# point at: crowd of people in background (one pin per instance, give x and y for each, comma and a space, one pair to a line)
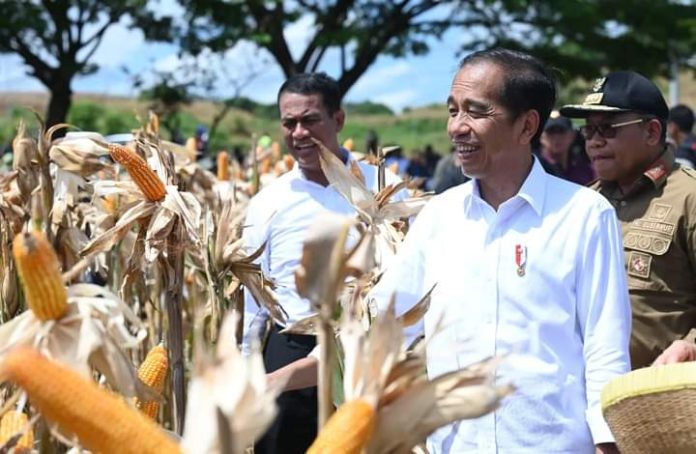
561, 151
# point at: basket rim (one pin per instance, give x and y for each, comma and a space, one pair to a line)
649, 380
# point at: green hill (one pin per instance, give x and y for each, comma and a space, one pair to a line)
412, 130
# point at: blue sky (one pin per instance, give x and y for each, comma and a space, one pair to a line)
398, 83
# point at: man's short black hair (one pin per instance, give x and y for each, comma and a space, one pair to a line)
528, 84
314, 83
683, 117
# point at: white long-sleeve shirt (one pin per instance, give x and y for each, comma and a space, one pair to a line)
281, 215
541, 278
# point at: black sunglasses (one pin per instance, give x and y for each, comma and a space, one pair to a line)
608, 131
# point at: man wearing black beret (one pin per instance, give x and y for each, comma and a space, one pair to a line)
655, 200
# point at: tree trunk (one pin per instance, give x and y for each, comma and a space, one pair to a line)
59, 105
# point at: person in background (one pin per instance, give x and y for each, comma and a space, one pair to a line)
396, 161
371, 142
679, 126
448, 173
279, 217
655, 199
418, 166
561, 148
431, 159
201, 138
520, 261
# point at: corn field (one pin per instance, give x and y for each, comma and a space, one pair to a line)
121, 304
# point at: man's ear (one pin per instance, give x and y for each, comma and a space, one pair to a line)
653, 132
340, 119
530, 126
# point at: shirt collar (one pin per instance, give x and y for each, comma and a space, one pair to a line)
532, 191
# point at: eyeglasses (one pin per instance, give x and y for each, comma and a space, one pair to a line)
608, 131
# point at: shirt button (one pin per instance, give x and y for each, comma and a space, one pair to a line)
623, 203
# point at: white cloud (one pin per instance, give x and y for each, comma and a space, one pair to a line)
119, 45
397, 100
298, 34
382, 76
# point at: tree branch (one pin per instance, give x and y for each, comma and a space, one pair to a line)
42, 71
271, 22
332, 21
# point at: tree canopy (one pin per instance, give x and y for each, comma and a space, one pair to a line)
579, 37
56, 39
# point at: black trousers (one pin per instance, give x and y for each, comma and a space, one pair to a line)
295, 427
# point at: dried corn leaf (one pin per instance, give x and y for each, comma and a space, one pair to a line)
403, 209
307, 325
416, 313
322, 268
109, 238
428, 405
235, 386
80, 155
347, 184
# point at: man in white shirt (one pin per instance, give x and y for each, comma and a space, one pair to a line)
525, 264
280, 216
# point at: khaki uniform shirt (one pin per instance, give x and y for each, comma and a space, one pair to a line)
658, 220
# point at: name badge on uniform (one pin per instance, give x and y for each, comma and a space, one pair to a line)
520, 259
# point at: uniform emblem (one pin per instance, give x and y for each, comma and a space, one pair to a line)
666, 228
639, 264
593, 98
520, 259
598, 84
654, 244
659, 211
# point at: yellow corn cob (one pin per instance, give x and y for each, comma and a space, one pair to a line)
102, 421
289, 161
223, 166
142, 175
347, 431
39, 271
11, 424
276, 151
266, 166
349, 144
153, 372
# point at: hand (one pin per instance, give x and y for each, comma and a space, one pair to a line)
679, 352
606, 448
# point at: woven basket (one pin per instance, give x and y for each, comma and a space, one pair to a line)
653, 410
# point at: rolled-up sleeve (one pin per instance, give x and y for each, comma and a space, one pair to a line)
604, 314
